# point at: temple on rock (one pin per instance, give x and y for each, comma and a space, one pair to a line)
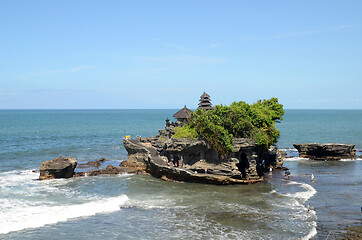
205, 102
195, 160
183, 115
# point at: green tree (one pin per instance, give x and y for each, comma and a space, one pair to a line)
239, 120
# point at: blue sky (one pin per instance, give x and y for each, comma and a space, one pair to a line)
164, 54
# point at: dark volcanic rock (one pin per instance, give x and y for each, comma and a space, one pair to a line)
196, 161
325, 151
124, 167
110, 169
97, 163
57, 168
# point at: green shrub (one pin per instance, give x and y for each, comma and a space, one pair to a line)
221, 125
185, 132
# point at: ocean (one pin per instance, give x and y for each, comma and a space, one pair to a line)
142, 207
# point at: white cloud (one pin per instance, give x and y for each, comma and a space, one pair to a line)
295, 34
168, 44
321, 101
81, 68
186, 59
312, 32
8, 94
354, 100
62, 71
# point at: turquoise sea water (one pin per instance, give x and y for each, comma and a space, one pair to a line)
142, 207
334, 126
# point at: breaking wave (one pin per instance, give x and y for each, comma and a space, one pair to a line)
23, 217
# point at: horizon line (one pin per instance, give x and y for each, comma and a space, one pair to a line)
54, 109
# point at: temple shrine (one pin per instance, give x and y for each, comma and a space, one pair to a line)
205, 102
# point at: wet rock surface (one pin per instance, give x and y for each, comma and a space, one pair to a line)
196, 161
96, 164
326, 151
64, 167
58, 168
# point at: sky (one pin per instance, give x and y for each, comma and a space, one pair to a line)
65, 54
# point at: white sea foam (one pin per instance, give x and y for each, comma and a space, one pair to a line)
292, 159
305, 195
297, 201
155, 203
312, 232
288, 149
18, 175
24, 217
350, 160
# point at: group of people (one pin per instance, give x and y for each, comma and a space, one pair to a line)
173, 161
286, 175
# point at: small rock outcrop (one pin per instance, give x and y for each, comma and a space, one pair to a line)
96, 164
124, 167
326, 151
58, 168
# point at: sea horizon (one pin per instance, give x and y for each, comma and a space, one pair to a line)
160, 109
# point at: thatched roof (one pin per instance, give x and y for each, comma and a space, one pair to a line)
184, 113
206, 107
205, 104
205, 96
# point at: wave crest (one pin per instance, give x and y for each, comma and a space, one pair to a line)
37, 216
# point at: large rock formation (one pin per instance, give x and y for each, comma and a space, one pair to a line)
325, 151
57, 168
196, 161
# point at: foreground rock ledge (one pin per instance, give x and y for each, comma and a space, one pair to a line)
326, 151
58, 168
195, 161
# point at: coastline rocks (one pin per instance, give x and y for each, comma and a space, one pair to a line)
110, 169
132, 168
58, 168
113, 170
97, 163
137, 154
325, 151
196, 161
124, 167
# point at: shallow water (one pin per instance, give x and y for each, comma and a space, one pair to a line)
142, 207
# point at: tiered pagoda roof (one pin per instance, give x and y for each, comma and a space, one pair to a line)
205, 102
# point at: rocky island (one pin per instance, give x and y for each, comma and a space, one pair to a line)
217, 145
326, 151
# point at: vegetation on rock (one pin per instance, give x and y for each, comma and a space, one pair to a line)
185, 132
239, 120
